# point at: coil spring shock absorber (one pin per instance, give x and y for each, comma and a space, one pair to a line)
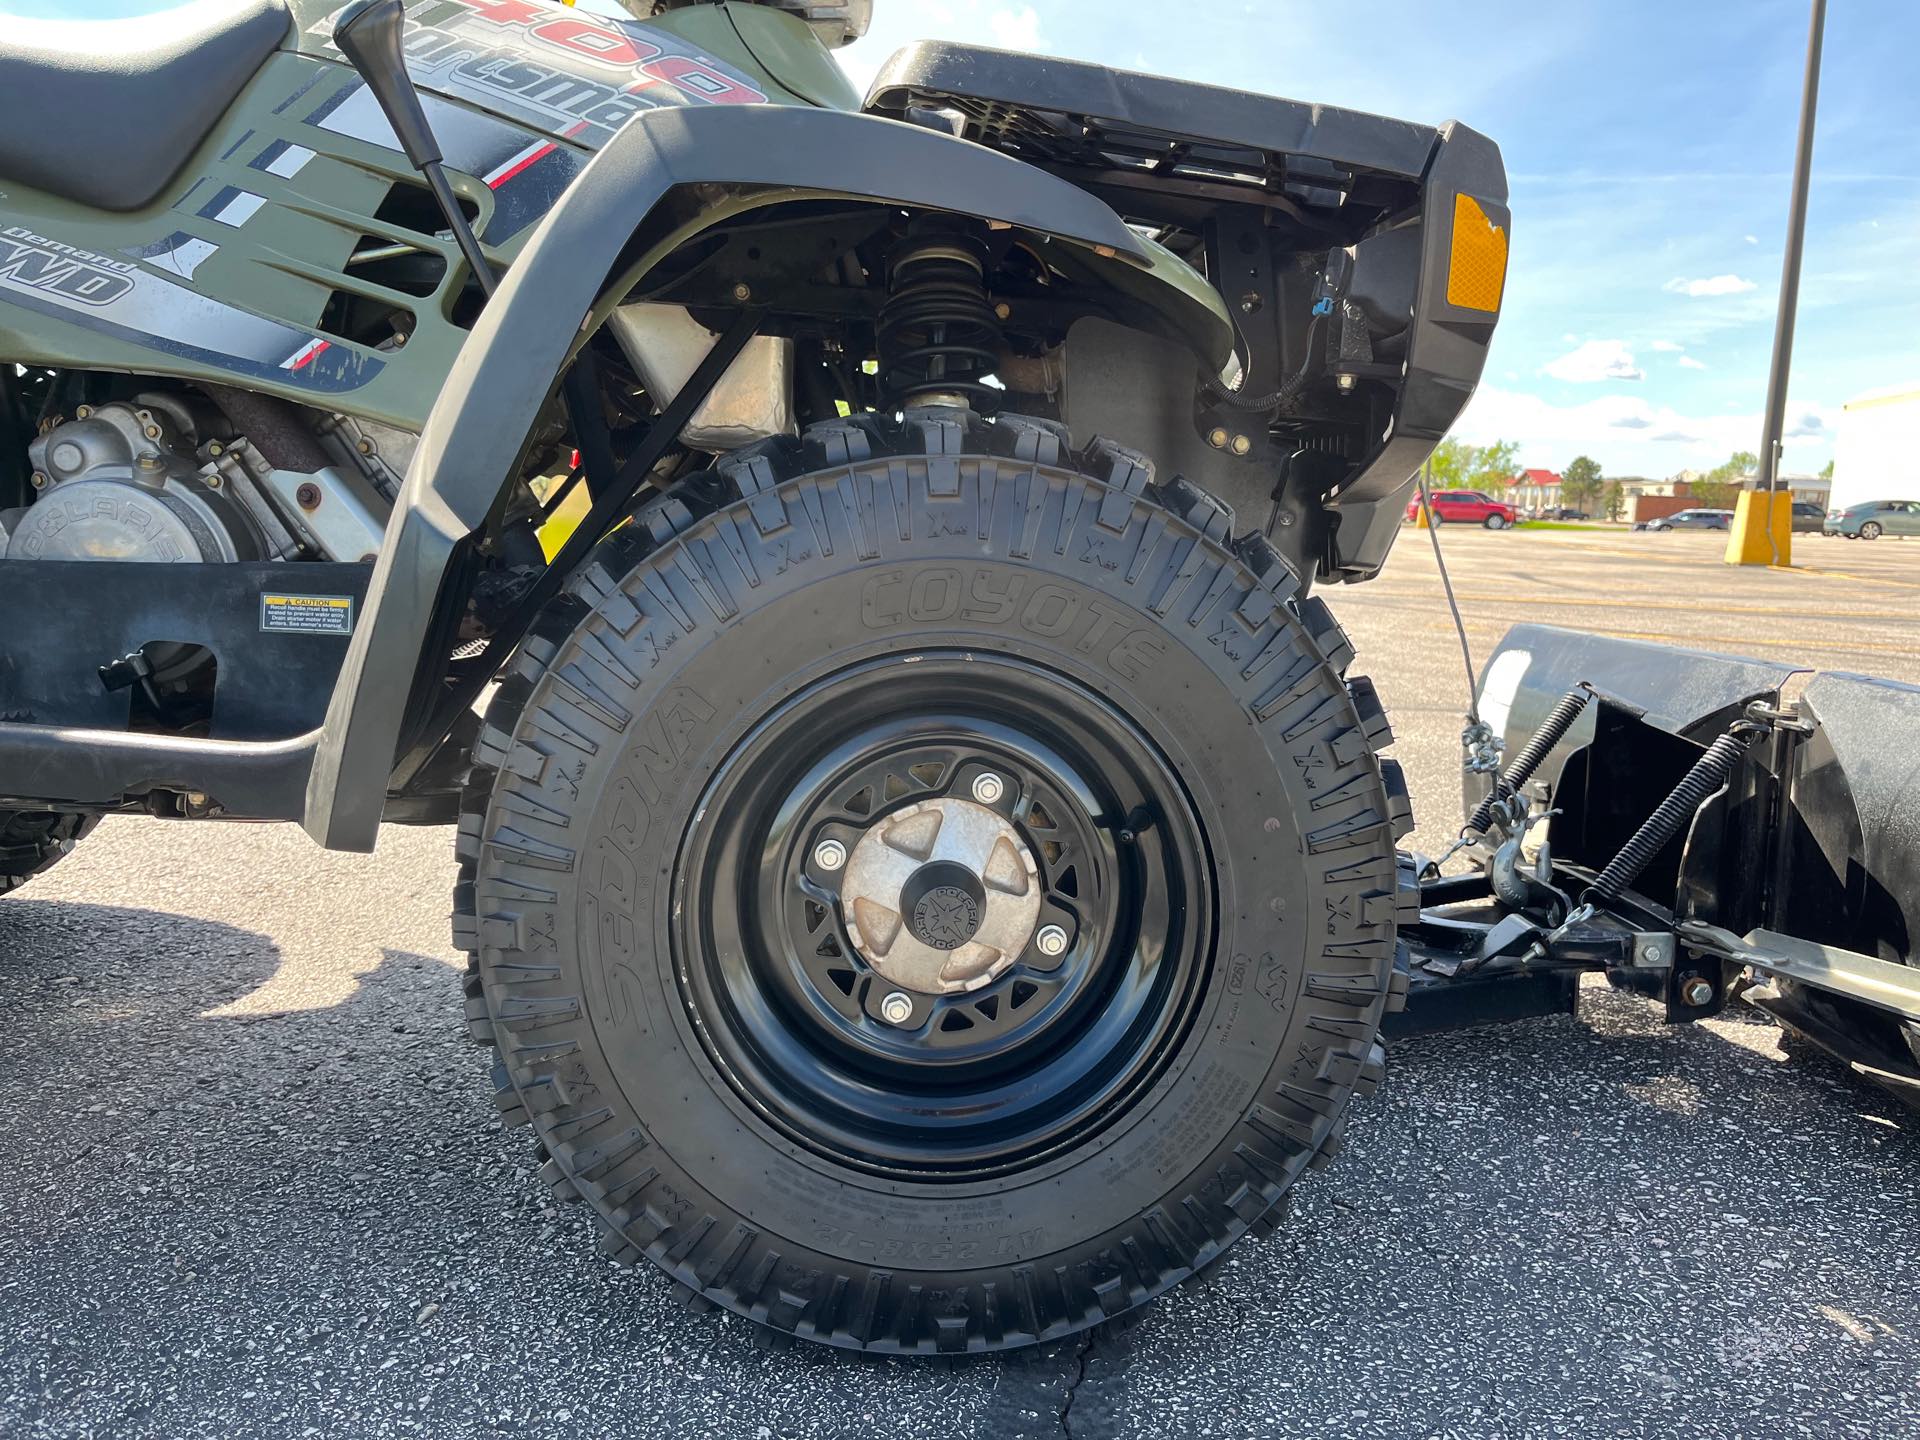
938, 332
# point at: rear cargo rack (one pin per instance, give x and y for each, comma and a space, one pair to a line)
1153, 147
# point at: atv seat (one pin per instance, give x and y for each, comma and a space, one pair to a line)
105, 112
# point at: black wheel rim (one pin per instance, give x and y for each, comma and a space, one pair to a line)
1044, 1054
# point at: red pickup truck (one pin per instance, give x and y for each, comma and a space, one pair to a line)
1466, 507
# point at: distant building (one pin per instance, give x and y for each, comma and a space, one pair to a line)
1873, 452
1534, 490
1814, 489
1632, 487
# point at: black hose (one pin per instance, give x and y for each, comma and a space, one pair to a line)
1520, 769
1708, 774
1215, 393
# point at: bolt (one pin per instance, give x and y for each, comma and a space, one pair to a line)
81, 412
1242, 444
39, 481
1285, 518
152, 432
366, 447
743, 292
988, 787
215, 448
1051, 940
1345, 382
213, 481
1653, 952
308, 495
1697, 990
1003, 310
829, 854
1217, 437
897, 1008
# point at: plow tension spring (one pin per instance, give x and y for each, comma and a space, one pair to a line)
1552, 729
1708, 774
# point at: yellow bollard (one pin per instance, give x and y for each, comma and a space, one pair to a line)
1756, 513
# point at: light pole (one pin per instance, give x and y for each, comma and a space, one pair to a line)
1769, 477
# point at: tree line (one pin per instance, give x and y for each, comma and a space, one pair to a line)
1493, 468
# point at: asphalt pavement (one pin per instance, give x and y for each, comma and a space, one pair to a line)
252, 1183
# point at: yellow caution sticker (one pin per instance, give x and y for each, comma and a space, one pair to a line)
307, 614
1477, 268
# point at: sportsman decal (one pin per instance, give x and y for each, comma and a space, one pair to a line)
117, 298
567, 73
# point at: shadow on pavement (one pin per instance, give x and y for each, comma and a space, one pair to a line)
222, 1212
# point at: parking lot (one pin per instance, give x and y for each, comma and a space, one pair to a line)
254, 1185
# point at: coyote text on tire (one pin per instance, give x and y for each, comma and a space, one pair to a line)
929, 877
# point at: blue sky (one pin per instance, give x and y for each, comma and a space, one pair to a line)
1648, 148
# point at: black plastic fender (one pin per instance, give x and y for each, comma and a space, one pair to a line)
741, 156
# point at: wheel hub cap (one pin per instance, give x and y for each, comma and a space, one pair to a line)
941, 897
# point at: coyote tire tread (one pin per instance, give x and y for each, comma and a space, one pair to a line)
867, 497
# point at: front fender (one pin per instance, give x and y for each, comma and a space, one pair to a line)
478, 428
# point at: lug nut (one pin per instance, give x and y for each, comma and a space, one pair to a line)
988, 788
830, 855
1052, 940
897, 1009
1697, 991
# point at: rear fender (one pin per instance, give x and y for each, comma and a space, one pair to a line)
605, 233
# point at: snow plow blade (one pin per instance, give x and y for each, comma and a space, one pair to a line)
1712, 825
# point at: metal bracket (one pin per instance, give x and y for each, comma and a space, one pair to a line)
1880, 983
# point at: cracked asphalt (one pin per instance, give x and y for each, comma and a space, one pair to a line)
252, 1184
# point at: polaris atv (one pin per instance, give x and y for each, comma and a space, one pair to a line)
843, 565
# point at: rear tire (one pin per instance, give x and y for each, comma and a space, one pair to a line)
822, 638
31, 841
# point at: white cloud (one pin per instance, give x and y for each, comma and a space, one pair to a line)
1016, 28
1687, 362
1595, 361
1667, 347
899, 22
1712, 285
1751, 239
1627, 433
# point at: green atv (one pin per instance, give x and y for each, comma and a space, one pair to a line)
929, 875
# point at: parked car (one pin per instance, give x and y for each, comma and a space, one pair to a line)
1694, 520
1871, 519
1466, 507
1565, 512
1808, 516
